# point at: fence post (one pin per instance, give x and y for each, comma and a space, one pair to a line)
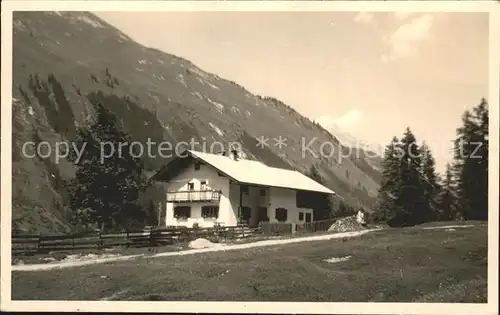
73, 241
151, 238
99, 239
39, 246
127, 240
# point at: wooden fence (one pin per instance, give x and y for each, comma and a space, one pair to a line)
96, 240
157, 237
281, 228
315, 226
276, 228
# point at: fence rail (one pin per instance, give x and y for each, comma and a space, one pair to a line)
316, 226
96, 240
156, 237
282, 228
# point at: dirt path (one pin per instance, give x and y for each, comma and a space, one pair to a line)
216, 247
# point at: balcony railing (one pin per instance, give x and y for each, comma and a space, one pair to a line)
194, 196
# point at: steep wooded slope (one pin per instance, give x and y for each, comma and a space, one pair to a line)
64, 62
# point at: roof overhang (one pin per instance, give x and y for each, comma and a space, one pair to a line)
179, 163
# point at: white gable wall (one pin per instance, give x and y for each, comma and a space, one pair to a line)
214, 181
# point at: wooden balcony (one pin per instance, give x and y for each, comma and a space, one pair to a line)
194, 196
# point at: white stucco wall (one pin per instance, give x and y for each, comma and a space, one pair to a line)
214, 181
286, 198
230, 200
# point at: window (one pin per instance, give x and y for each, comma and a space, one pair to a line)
308, 217
182, 212
244, 189
301, 216
190, 186
197, 166
203, 185
281, 214
210, 212
262, 192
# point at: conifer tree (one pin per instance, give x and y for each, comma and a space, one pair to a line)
390, 185
462, 169
108, 179
446, 198
481, 114
471, 163
430, 181
411, 199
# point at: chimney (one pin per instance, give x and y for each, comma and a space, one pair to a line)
234, 154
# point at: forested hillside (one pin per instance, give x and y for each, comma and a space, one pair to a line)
67, 63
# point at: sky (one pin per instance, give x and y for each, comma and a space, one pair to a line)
370, 74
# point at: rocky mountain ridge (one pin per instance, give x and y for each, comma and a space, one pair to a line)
63, 62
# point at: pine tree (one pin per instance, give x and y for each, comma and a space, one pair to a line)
471, 163
391, 182
446, 198
105, 189
430, 181
462, 170
411, 201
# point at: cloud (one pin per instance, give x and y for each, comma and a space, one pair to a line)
348, 128
347, 121
364, 17
401, 15
350, 119
404, 41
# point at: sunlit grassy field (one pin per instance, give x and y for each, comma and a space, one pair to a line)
391, 265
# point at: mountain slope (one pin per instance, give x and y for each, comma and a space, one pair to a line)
64, 62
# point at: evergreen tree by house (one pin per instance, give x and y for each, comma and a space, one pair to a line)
446, 198
105, 191
385, 206
430, 180
471, 163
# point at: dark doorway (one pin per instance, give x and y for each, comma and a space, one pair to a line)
246, 213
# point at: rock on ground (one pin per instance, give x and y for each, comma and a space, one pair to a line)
202, 243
